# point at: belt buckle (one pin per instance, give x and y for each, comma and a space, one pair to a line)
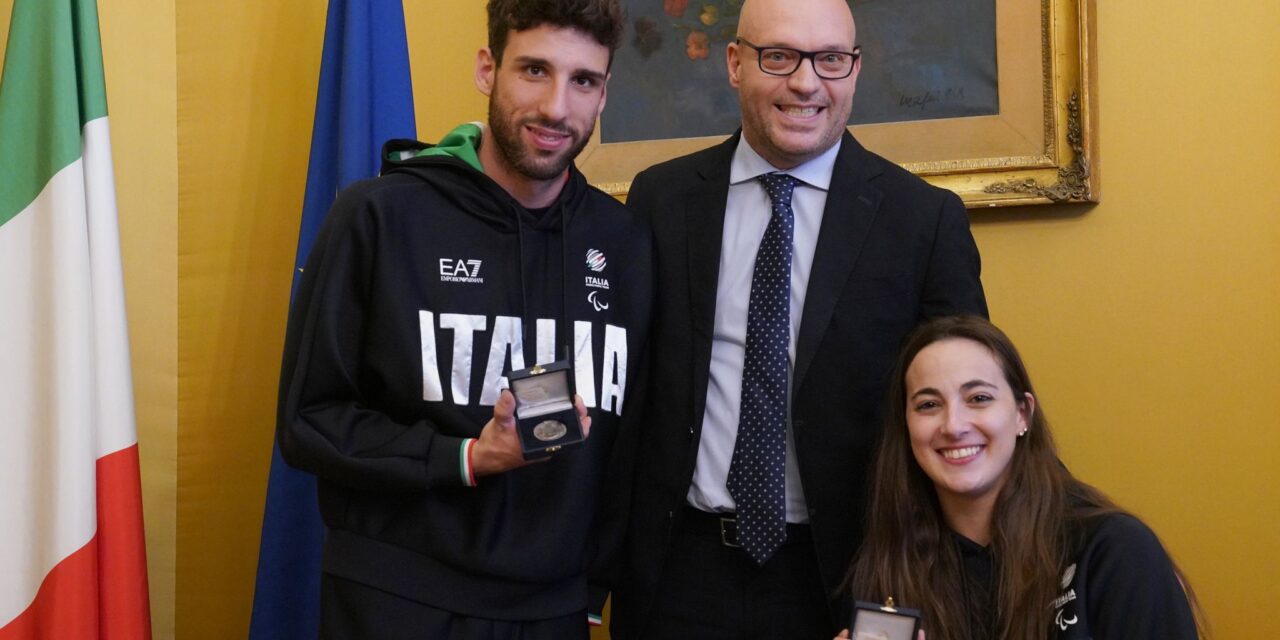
729, 529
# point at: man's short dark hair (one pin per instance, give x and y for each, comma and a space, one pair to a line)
601, 19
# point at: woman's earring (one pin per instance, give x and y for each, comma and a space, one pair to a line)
1023, 432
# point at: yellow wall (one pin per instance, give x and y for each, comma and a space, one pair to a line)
138, 51
1151, 321
246, 91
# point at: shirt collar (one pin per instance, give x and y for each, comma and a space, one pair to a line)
748, 165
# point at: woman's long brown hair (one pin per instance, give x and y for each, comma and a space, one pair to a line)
907, 553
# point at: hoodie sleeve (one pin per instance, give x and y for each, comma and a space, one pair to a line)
323, 425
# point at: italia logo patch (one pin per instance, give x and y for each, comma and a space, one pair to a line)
595, 260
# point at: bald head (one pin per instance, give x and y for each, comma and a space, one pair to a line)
834, 14
791, 119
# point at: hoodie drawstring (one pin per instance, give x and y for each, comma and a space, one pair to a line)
564, 348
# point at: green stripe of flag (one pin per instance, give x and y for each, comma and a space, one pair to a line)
52, 85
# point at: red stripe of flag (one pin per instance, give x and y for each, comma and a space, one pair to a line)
100, 591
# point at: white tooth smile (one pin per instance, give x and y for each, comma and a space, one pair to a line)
956, 454
800, 111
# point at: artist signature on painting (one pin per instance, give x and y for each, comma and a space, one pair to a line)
922, 101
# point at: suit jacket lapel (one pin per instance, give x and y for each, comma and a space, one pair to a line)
852, 203
704, 217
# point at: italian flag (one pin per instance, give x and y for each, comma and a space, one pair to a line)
72, 558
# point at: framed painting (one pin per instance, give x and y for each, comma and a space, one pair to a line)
1001, 111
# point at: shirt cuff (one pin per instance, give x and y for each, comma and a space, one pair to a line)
464, 462
449, 462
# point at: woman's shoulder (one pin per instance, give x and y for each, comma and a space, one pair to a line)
1125, 581
1120, 536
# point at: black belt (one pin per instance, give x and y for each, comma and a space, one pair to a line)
725, 527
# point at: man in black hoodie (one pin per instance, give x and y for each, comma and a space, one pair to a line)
468, 259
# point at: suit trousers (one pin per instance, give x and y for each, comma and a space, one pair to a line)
712, 591
354, 611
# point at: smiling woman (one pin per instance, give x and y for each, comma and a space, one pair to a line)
976, 522
964, 421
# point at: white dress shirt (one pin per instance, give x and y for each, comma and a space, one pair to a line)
746, 215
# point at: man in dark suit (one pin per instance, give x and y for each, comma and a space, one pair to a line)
767, 390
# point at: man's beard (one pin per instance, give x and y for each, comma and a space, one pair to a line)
532, 163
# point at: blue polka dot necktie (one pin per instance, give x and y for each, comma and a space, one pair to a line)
757, 474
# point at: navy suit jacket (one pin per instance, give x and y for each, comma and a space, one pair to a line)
892, 251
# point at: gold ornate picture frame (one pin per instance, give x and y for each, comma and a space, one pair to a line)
1040, 148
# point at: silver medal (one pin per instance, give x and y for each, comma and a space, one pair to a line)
549, 430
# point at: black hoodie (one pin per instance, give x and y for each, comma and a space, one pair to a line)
419, 290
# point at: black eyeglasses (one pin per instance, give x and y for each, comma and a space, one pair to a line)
783, 61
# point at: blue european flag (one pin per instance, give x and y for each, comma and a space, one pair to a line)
365, 97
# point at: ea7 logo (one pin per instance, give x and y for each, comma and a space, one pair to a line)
460, 270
